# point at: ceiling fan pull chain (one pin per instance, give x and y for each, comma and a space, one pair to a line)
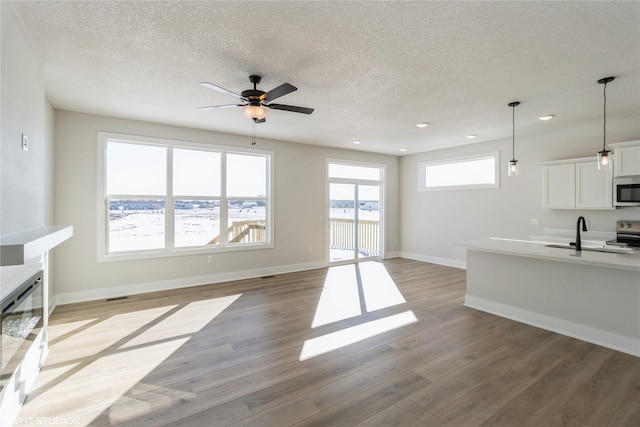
253, 132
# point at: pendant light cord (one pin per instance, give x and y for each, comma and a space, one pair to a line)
513, 136
604, 126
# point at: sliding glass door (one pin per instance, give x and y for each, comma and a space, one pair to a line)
355, 220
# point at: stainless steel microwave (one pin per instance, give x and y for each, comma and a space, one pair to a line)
626, 191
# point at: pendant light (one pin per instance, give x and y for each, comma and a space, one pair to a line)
604, 156
512, 168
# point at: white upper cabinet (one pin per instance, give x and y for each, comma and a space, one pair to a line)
576, 184
627, 158
594, 187
559, 186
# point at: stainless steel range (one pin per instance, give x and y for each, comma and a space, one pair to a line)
627, 234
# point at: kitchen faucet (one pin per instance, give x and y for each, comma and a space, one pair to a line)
584, 228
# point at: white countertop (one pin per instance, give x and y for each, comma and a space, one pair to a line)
537, 249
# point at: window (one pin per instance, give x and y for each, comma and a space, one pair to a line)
479, 171
161, 198
350, 171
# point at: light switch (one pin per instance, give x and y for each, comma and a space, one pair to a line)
25, 143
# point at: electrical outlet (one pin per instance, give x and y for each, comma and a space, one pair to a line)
25, 143
535, 221
210, 259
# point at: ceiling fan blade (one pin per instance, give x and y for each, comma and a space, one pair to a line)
293, 108
212, 107
277, 92
220, 89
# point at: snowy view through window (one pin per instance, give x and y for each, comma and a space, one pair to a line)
150, 210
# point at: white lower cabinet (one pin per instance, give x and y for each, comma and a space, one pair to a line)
576, 184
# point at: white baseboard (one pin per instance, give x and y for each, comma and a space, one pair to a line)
163, 285
434, 260
593, 335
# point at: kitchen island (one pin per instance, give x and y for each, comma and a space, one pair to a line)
592, 296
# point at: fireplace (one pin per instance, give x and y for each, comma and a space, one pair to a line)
22, 321
25, 303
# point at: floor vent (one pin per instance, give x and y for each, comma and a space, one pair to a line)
115, 298
267, 277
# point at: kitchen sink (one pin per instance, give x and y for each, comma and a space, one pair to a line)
593, 248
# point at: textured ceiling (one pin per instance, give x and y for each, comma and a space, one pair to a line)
371, 70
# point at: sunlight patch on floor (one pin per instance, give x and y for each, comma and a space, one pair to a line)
132, 345
187, 320
103, 334
340, 298
379, 289
98, 385
344, 337
348, 290
58, 331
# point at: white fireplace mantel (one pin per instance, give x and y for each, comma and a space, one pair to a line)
20, 248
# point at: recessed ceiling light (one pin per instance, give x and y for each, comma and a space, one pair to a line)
547, 117
422, 125
403, 149
357, 142
471, 136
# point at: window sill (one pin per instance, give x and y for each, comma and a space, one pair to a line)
178, 252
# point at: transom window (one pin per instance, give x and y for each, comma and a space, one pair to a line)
478, 171
162, 197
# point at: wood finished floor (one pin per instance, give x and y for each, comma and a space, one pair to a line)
228, 355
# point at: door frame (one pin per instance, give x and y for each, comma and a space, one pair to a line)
381, 206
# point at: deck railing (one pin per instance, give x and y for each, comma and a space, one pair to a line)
244, 232
341, 231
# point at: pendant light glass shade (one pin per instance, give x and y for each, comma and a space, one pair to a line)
604, 159
604, 156
512, 166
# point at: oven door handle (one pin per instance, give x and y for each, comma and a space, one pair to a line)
628, 236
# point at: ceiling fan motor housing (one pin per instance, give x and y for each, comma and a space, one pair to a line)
253, 95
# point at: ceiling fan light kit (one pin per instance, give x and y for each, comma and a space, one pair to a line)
255, 112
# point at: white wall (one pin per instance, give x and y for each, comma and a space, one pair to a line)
22, 174
299, 212
431, 222
26, 178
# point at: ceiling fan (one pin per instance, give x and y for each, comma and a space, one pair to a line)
254, 101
